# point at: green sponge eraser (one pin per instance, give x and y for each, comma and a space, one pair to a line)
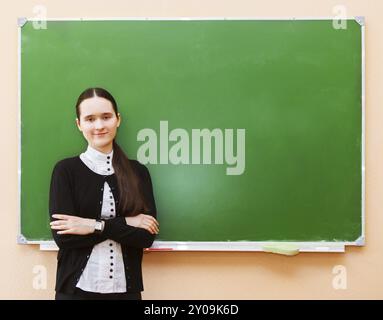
283, 248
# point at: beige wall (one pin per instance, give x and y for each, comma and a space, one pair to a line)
205, 275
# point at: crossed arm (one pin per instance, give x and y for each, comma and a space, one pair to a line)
71, 232
66, 224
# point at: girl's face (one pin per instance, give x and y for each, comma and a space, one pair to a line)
98, 123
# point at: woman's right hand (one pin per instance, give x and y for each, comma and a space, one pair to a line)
144, 221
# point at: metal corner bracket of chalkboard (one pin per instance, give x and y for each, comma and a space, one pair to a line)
21, 21
361, 241
360, 20
21, 239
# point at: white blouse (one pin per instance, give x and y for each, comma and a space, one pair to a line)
104, 272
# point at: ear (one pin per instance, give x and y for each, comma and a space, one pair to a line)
118, 119
78, 124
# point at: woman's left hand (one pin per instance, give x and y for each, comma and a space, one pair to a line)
72, 224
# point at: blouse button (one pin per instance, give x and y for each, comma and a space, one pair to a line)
108, 157
110, 277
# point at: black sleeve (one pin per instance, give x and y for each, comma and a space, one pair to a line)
117, 229
61, 202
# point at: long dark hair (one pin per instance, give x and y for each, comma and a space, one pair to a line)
131, 201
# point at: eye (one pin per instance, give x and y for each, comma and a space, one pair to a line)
90, 119
107, 117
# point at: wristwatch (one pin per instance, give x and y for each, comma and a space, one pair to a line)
99, 227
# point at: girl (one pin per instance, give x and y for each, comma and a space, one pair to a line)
102, 210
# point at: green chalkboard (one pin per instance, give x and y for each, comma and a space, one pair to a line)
294, 86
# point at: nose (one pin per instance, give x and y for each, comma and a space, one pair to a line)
99, 124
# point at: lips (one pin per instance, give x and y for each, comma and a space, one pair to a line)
100, 134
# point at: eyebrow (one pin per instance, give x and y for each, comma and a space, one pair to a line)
102, 114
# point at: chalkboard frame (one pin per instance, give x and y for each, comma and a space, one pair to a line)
318, 246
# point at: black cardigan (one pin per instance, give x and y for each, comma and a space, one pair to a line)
77, 190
